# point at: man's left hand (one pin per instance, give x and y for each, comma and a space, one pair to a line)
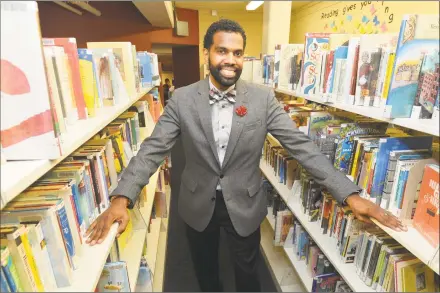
363, 209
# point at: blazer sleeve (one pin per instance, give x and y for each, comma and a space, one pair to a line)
299, 145
151, 154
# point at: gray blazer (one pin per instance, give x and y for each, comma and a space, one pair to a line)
188, 114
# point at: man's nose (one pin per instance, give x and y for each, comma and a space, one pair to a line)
230, 59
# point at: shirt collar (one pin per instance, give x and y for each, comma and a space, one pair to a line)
212, 86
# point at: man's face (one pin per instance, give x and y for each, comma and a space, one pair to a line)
225, 58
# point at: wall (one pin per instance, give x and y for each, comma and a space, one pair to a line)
166, 74
354, 16
252, 23
120, 21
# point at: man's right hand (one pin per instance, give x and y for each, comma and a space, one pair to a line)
117, 212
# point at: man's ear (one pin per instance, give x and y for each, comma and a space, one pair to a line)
206, 55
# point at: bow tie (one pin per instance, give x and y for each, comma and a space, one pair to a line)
216, 96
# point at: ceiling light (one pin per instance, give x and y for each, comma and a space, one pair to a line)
254, 5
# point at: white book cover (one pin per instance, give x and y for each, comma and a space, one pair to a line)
27, 125
287, 53
257, 76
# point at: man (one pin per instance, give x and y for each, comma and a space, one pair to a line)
166, 90
223, 122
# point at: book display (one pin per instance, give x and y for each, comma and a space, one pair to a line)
72, 118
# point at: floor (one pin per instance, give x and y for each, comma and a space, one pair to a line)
179, 272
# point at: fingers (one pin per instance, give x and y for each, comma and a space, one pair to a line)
90, 229
104, 232
364, 219
123, 225
389, 220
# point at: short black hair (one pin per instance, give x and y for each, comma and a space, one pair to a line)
223, 25
167, 79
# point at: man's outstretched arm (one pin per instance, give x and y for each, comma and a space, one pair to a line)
151, 154
299, 145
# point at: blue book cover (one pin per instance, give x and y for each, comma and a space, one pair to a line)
4, 286
403, 178
67, 233
315, 44
114, 278
145, 69
418, 36
340, 53
386, 145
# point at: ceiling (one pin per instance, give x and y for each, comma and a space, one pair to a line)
227, 5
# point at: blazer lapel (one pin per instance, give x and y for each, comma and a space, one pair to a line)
237, 121
204, 110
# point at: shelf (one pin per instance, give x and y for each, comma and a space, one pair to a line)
16, 176
325, 243
132, 255
416, 244
153, 244
278, 263
428, 126
92, 260
151, 191
300, 267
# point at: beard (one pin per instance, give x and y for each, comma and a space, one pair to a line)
221, 79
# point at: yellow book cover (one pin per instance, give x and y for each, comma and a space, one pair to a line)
88, 80
355, 159
415, 276
31, 259
386, 85
126, 235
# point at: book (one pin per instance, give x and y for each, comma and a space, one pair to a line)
426, 217
10, 271
27, 134
88, 80
418, 36
114, 278
315, 43
71, 50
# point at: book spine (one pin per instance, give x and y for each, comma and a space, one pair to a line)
4, 286
10, 271
33, 270
67, 234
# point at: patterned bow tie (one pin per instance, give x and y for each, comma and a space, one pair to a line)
216, 96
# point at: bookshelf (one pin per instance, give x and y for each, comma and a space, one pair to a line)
423, 125
16, 176
325, 243
92, 260
132, 254
416, 244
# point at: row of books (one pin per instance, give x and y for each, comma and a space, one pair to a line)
387, 163
60, 206
50, 83
381, 262
398, 73
289, 233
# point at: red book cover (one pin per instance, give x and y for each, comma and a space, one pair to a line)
328, 68
426, 217
69, 45
354, 72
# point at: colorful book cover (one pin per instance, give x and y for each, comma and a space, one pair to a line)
325, 282
114, 278
315, 43
10, 271
287, 66
70, 48
340, 54
27, 134
344, 149
102, 60
418, 36
87, 74
428, 89
386, 145
369, 44
145, 69
426, 217
123, 54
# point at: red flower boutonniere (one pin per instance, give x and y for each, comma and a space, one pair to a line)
241, 111
286, 108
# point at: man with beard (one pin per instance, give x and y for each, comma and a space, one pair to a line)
223, 122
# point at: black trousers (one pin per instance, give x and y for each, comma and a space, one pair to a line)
204, 248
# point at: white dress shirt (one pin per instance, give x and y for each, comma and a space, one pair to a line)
222, 113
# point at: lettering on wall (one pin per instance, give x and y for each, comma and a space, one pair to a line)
365, 17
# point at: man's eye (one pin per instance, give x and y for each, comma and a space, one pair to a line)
222, 51
238, 54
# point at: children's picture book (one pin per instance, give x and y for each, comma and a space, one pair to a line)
418, 37
114, 278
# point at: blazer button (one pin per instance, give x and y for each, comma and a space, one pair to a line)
213, 198
221, 176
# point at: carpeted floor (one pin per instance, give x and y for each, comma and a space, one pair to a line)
179, 272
